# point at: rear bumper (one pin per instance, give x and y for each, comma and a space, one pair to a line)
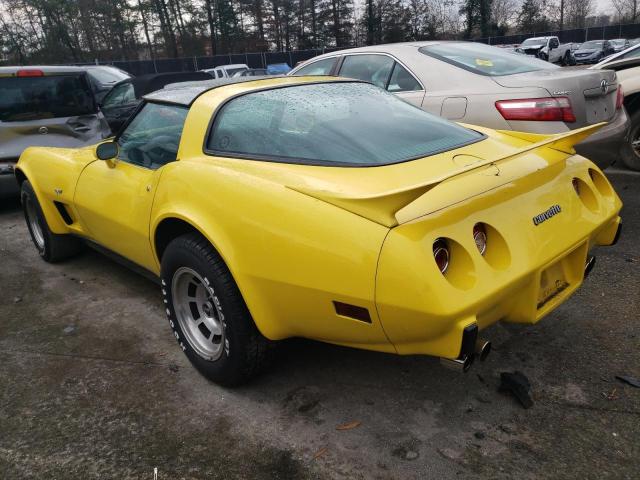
8, 184
528, 270
603, 147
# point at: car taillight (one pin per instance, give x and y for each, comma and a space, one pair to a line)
576, 185
31, 72
480, 237
556, 109
619, 97
441, 254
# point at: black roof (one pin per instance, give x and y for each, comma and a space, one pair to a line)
145, 84
185, 94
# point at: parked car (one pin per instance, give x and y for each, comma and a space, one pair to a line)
278, 69
125, 96
44, 106
619, 44
593, 51
628, 73
632, 52
103, 78
547, 48
252, 72
251, 204
482, 85
226, 71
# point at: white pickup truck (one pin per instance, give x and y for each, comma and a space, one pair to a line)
549, 49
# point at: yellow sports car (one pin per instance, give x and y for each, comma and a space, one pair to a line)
329, 209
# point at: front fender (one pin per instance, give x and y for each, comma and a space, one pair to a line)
53, 174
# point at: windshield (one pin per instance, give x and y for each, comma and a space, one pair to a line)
36, 98
107, 75
352, 124
618, 42
592, 45
231, 71
534, 41
484, 59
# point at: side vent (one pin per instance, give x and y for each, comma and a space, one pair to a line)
352, 311
64, 213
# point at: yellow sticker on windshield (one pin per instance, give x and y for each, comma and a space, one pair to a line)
484, 63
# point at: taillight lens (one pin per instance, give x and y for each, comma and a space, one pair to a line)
480, 237
556, 109
30, 72
441, 254
576, 185
619, 97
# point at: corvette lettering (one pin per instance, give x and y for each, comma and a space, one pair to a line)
538, 219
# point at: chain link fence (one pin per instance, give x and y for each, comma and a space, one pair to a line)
577, 35
192, 64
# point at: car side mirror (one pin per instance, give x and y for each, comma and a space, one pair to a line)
107, 150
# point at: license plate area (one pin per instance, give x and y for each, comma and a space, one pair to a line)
552, 283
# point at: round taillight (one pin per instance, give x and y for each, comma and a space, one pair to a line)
576, 185
480, 237
441, 254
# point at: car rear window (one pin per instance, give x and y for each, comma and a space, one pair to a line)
51, 96
350, 124
484, 59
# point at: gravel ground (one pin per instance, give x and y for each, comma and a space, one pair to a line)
92, 385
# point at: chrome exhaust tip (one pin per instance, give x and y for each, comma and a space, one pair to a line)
462, 364
591, 261
483, 349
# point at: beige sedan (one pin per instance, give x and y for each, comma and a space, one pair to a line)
483, 85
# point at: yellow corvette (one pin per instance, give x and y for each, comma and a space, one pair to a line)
328, 209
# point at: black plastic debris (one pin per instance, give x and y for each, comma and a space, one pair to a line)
634, 382
517, 384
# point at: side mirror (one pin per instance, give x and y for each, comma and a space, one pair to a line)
107, 150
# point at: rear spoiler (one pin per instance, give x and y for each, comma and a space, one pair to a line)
381, 207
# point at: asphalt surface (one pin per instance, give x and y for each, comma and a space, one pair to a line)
92, 385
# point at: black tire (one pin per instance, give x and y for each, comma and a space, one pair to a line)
244, 351
568, 59
631, 156
543, 56
52, 247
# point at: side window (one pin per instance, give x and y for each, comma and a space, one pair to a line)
219, 73
120, 95
370, 68
321, 67
153, 136
402, 80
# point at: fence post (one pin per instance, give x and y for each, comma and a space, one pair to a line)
195, 63
155, 67
290, 59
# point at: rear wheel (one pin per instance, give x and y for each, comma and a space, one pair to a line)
630, 152
52, 247
207, 313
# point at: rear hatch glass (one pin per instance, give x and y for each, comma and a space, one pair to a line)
50, 96
484, 59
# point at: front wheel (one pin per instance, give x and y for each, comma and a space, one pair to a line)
543, 56
52, 247
631, 149
208, 315
568, 59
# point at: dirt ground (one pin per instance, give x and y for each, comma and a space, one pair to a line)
92, 385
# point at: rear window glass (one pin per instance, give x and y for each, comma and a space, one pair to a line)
484, 59
331, 123
37, 98
107, 75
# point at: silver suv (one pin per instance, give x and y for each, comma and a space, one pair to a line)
44, 106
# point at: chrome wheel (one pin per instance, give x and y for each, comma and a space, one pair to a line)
635, 143
198, 312
34, 223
